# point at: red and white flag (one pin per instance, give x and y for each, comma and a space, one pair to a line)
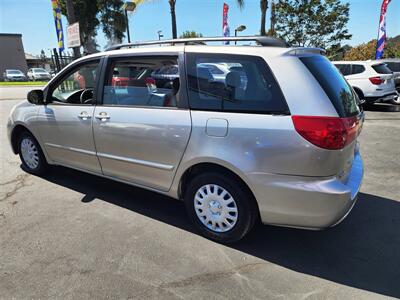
380, 46
225, 26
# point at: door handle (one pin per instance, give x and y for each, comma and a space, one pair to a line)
102, 116
84, 116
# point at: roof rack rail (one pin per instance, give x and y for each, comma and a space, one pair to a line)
265, 41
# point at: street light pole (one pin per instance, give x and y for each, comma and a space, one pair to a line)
160, 35
128, 6
127, 26
239, 29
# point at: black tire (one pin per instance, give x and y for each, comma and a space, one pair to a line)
246, 206
42, 165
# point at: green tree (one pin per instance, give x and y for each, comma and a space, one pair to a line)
263, 8
337, 51
392, 49
367, 50
90, 14
312, 23
190, 34
112, 19
363, 51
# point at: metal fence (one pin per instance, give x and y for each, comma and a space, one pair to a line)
60, 61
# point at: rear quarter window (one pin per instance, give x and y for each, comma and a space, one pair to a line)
333, 83
394, 66
248, 87
381, 69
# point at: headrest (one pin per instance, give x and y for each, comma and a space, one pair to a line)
175, 84
233, 79
204, 73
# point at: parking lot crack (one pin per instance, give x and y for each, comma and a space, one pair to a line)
19, 182
211, 276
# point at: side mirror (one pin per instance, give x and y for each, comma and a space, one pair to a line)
36, 97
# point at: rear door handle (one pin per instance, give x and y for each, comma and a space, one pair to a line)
84, 116
102, 116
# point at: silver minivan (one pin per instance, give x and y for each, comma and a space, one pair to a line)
275, 140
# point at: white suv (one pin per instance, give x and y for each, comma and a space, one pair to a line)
372, 80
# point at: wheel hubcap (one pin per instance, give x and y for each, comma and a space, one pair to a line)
29, 153
215, 208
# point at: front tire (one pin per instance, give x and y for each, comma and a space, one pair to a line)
31, 154
220, 207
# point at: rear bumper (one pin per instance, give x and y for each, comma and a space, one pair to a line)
16, 78
42, 77
385, 98
307, 202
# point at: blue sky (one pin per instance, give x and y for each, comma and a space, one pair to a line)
33, 18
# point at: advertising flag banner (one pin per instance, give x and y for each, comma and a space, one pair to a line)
225, 26
57, 22
380, 46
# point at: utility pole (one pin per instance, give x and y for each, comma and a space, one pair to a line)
71, 20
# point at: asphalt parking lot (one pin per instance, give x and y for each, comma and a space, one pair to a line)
73, 235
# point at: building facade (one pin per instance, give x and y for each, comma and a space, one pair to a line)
12, 54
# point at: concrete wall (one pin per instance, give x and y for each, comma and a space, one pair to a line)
12, 54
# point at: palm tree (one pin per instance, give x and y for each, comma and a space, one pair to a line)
173, 18
264, 7
240, 3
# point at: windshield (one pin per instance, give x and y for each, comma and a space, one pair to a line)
333, 83
39, 70
17, 72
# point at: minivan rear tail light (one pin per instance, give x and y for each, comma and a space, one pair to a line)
376, 80
330, 133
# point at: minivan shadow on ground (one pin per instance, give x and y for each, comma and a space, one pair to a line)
362, 252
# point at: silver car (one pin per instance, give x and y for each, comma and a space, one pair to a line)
281, 149
13, 75
38, 74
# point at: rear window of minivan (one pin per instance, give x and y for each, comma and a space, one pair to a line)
333, 83
246, 84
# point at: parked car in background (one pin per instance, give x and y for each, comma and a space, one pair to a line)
372, 80
394, 65
219, 71
234, 153
53, 73
38, 74
13, 75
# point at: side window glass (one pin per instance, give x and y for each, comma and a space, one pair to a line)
241, 84
142, 82
78, 86
357, 69
344, 69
